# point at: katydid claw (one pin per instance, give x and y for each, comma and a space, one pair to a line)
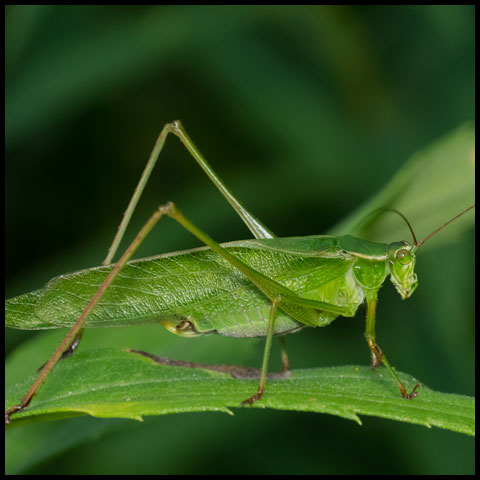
251, 400
11, 411
413, 393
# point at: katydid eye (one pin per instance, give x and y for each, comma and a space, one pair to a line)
403, 256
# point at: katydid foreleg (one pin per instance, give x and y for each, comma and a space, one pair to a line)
378, 357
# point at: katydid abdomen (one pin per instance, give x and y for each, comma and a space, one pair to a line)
197, 292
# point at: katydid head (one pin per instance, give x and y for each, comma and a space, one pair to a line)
401, 259
402, 256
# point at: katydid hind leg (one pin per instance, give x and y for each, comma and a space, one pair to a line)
378, 356
256, 227
76, 329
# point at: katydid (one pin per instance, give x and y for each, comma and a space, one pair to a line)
261, 287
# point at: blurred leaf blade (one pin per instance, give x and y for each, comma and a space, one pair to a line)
434, 185
115, 383
50, 439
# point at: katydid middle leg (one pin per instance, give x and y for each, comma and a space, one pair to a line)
266, 354
301, 309
70, 350
283, 347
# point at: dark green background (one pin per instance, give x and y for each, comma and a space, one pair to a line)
305, 112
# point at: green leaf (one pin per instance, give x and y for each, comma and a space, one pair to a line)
433, 186
116, 383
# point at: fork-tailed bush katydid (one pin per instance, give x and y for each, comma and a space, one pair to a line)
250, 288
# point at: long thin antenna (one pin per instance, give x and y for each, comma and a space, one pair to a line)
443, 226
406, 221
380, 210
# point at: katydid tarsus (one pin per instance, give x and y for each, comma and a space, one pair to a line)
252, 288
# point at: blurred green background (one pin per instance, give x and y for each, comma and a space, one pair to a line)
305, 112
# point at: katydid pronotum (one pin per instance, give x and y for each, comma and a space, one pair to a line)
262, 287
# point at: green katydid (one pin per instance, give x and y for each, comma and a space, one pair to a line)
259, 287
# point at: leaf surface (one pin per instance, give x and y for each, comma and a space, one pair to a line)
116, 383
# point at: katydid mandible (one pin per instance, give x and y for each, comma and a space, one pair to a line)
261, 287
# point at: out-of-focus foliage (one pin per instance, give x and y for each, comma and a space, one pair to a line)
305, 112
